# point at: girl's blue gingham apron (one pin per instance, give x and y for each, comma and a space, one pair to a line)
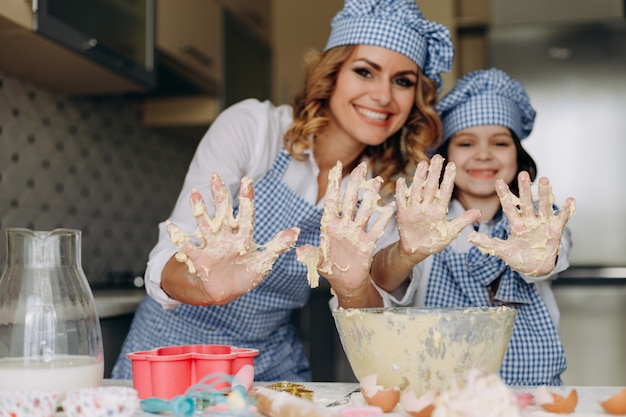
259, 319
535, 355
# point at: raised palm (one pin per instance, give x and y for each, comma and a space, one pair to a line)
223, 254
346, 245
535, 235
422, 209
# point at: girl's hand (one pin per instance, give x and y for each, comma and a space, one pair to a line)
534, 242
422, 208
346, 246
225, 259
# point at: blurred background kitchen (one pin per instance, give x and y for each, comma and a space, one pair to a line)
102, 104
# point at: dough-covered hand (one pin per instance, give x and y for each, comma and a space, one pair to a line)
422, 208
223, 254
534, 241
346, 246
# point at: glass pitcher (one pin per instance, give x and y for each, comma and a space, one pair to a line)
50, 336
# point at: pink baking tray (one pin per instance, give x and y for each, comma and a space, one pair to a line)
166, 372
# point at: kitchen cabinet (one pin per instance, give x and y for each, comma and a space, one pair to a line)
210, 45
298, 26
191, 38
443, 12
51, 64
468, 21
254, 14
189, 41
472, 21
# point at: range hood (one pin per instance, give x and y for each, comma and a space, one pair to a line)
511, 12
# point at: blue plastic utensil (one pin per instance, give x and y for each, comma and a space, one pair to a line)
210, 390
180, 406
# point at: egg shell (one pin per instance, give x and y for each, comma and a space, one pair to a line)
422, 407
378, 396
615, 404
562, 405
424, 412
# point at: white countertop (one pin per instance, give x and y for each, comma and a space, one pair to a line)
327, 392
117, 302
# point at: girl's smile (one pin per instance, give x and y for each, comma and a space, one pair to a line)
482, 173
482, 154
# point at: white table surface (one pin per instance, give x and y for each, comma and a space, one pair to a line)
327, 392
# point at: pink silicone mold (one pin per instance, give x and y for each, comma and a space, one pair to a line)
166, 372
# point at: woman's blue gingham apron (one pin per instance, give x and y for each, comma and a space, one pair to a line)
259, 319
535, 355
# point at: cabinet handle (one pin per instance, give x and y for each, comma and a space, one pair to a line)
197, 54
254, 18
90, 44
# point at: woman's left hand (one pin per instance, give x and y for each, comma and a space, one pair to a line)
346, 246
535, 236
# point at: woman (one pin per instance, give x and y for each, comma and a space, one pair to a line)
490, 244
367, 99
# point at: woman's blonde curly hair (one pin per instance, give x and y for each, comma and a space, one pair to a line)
398, 155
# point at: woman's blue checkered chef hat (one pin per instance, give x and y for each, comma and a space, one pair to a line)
397, 25
486, 97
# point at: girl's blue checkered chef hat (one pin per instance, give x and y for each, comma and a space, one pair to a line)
486, 97
397, 25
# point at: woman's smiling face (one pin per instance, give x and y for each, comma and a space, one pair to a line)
482, 154
373, 96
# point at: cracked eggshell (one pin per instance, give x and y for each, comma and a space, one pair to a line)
615, 404
419, 407
556, 403
377, 395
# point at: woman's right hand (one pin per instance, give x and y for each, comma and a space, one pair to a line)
225, 260
422, 208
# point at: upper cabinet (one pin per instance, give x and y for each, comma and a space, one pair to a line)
189, 42
256, 15
468, 21
211, 53
193, 37
71, 47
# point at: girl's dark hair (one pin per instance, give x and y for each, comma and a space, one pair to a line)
525, 162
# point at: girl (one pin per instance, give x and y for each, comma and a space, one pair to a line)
477, 238
367, 98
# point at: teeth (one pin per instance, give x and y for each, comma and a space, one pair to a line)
373, 115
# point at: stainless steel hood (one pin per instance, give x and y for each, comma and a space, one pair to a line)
511, 12
575, 74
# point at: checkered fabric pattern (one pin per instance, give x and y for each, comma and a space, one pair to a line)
397, 25
535, 355
259, 319
486, 97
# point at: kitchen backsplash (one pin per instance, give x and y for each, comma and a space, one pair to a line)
87, 164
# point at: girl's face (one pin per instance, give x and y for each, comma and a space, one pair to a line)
482, 154
373, 95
